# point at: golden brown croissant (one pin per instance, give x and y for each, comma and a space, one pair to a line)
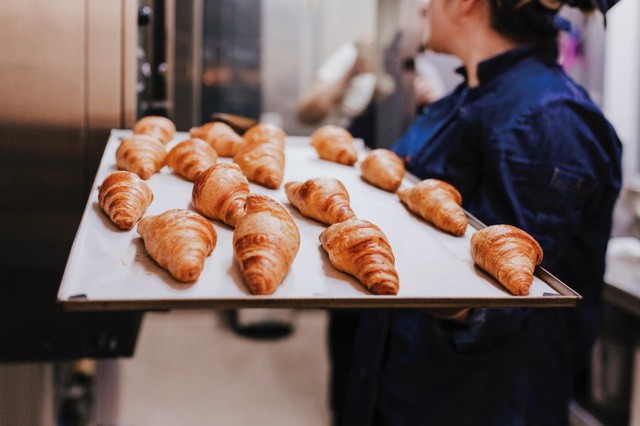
437, 202
265, 243
384, 169
124, 197
264, 132
508, 254
156, 126
191, 157
179, 241
141, 154
220, 136
220, 193
335, 144
359, 248
324, 199
262, 163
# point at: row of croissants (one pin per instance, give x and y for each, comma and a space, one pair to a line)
266, 239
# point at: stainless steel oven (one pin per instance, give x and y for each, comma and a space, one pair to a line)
68, 75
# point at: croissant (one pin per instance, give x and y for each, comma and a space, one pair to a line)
179, 241
264, 132
220, 193
359, 248
124, 197
220, 136
265, 243
262, 163
156, 126
508, 254
324, 199
191, 157
141, 154
335, 144
437, 202
384, 169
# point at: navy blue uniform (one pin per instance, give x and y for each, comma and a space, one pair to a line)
526, 147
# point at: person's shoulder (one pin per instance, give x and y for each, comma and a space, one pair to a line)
537, 82
544, 92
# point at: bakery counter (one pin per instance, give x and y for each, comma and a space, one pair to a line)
614, 394
622, 278
110, 269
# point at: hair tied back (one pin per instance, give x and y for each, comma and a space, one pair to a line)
552, 5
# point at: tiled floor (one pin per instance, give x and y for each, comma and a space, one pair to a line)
191, 369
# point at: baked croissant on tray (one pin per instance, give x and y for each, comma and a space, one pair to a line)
220, 192
157, 126
361, 249
265, 243
262, 162
335, 144
220, 136
191, 157
264, 132
509, 254
324, 199
384, 169
141, 154
124, 197
179, 241
436, 202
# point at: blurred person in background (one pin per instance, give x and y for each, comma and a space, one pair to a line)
350, 83
345, 90
526, 146
428, 85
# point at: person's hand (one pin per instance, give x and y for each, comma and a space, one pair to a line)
425, 92
318, 101
459, 315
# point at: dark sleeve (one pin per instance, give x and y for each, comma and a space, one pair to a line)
488, 328
411, 140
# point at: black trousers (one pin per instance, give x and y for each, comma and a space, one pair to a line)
342, 328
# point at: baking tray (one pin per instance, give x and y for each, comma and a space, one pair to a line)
109, 269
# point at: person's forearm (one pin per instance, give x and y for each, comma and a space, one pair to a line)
317, 102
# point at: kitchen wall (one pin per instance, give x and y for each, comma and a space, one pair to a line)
621, 105
297, 36
621, 101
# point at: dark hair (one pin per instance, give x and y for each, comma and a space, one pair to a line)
530, 21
